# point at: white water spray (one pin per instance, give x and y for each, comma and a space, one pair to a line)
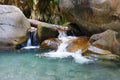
63, 53
29, 45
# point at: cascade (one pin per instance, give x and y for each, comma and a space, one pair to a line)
29, 42
32, 41
63, 53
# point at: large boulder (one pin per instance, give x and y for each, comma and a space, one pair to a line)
13, 26
92, 16
106, 40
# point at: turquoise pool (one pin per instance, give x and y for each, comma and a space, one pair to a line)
25, 65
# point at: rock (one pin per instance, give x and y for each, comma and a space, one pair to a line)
82, 43
51, 43
92, 16
100, 53
44, 33
106, 40
47, 30
13, 26
88, 50
77, 44
108, 57
36, 23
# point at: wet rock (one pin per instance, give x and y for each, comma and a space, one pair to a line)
13, 26
88, 50
51, 43
106, 40
44, 33
46, 30
80, 43
108, 57
92, 16
100, 53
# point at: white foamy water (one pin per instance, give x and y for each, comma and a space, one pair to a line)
63, 53
30, 47
78, 58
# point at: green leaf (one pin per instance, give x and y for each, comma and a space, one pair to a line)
57, 1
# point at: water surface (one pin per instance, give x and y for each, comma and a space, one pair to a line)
25, 65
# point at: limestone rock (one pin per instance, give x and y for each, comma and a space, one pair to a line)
13, 26
106, 40
92, 16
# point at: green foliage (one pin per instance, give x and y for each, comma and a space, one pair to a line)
57, 1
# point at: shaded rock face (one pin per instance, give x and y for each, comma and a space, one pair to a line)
13, 26
51, 43
44, 33
92, 16
106, 40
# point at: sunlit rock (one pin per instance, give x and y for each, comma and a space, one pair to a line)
77, 44
13, 26
89, 50
106, 40
100, 53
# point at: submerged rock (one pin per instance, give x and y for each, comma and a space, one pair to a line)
92, 16
13, 26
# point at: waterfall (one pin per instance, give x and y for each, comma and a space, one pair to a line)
32, 41
63, 53
29, 42
29, 45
